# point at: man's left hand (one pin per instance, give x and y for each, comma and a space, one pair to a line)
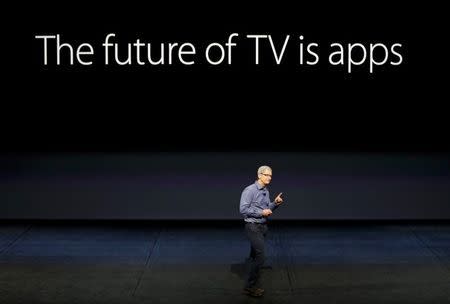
279, 199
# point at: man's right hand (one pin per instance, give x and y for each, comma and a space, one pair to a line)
266, 212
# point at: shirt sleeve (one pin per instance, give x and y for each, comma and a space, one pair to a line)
273, 206
246, 208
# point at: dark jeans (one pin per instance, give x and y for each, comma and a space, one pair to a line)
256, 233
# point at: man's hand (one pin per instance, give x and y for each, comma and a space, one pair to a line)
266, 212
279, 199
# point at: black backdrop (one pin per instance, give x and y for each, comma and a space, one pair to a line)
90, 125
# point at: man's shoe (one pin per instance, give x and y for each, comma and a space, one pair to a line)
253, 292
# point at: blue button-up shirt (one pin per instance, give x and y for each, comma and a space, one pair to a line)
254, 199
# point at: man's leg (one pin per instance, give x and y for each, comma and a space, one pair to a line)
252, 253
265, 230
251, 256
256, 237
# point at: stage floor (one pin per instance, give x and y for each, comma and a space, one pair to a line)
204, 262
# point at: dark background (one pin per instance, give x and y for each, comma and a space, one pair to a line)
72, 136
207, 186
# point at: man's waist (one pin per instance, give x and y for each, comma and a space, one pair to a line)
255, 221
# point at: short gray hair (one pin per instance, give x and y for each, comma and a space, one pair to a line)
263, 168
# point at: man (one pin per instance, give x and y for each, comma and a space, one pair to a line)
256, 207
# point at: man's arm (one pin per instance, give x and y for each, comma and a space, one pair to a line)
245, 206
273, 206
277, 202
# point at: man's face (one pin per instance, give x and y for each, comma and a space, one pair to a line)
265, 177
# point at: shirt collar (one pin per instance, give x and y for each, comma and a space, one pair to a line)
258, 186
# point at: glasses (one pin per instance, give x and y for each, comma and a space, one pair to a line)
265, 174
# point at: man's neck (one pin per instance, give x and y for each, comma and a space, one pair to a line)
261, 184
